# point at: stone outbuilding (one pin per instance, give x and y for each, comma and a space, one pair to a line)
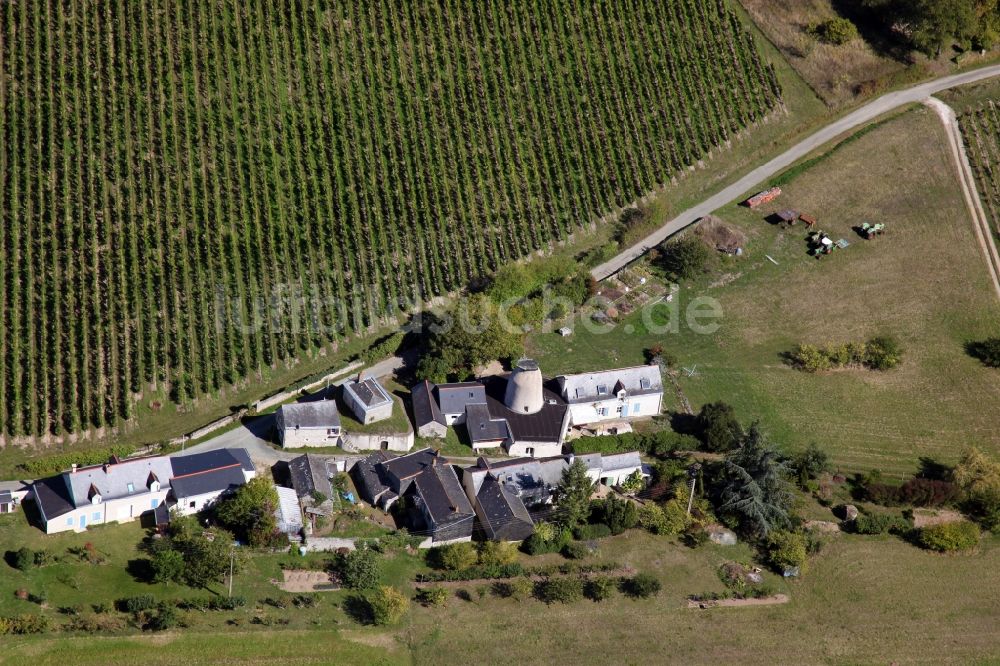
309, 424
368, 400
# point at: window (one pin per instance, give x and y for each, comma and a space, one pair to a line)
635, 408
193, 504
579, 392
130, 487
155, 503
619, 410
602, 411
471, 394
96, 516
69, 520
602, 389
644, 383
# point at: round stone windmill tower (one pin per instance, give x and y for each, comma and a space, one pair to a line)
524, 388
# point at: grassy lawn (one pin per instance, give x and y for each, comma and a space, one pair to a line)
923, 282
864, 600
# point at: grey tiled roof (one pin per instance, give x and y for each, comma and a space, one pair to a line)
425, 406
452, 398
310, 474
316, 414
637, 380
502, 512
369, 392
116, 478
481, 425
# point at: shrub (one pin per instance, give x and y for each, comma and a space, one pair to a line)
24, 624
600, 588
810, 358
23, 559
786, 550
387, 605
304, 600
575, 550
167, 565
359, 569
652, 518
545, 539
455, 557
164, 618
883, 353
880, 523
948, 537
987, 351
641, 585
837, 30
496, 553
137, 603
432, 596
619, 514
563, 590
595, 531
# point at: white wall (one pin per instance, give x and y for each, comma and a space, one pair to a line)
538, 449
354, 441
632, 407
121, 510
292, 438
184, 508
617, 476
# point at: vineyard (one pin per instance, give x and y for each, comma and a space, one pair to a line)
195, 191
981, 132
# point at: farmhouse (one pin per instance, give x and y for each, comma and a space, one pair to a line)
201, 478
619, 394
442, 509
368, 400
516, 412
120, 491
309, 424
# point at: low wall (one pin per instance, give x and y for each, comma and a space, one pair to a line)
355, 442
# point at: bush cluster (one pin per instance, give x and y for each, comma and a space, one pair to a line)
786, 550
59, 462
879, 353
575, 550
684, 258
641, 586
24, 624
359, 569
137, 603
949, 537
660, 443
837, 30
562, 590
880, 523
432, 596
916, 491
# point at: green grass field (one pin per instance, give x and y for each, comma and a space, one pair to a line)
924, 282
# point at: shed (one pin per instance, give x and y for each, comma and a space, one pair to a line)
565, 330
287, 512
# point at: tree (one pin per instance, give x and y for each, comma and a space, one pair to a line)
387, 605
468, 337
987, 351
619, 514
883, 353
206, 560
249, 512
455, 556
573, 495
978, 476
359, 569
684, 258
930, 24
168, 566
717, 427
753, 487
810, 463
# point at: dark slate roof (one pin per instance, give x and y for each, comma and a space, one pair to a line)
453, 398
408, 466
545, 425
505, 514
210, 460
425, 406
200, 483
482, 427
369, 392
442, 494
309, 474
6, 497
367, 478
316, 414
52, 495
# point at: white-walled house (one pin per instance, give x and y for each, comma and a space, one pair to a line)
623, 393
123, 490
309, 424
368, 400
117, 491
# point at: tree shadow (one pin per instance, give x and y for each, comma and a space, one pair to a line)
357, 608
934, 470
982, 352
141, 569
875, 30
684, 424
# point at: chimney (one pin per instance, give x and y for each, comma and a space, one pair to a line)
74, 468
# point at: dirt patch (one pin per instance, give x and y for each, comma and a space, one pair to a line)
927, 517
720, 236
739, 603
825, 526
304, 580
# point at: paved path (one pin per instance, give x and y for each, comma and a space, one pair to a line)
856, 118
254, 433
980, 222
